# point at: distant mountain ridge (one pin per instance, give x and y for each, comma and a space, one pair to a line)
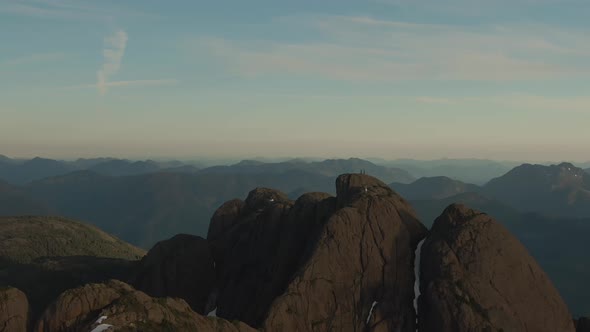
559, 190
21, 172
437, 187
328, 167
477, 171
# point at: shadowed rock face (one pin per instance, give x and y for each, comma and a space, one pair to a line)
14, 310
179, 267
475, 276
118, 305
245, 237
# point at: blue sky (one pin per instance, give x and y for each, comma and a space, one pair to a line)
333, 78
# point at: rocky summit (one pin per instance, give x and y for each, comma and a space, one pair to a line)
475, 276
321, 263
358, 274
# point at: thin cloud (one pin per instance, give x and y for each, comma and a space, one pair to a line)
66, 9
136, 83
34, 58
367, 49
522, 102
113, 56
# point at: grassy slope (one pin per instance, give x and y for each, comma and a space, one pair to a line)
23, 239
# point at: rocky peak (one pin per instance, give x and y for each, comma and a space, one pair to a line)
475, 276
352, 186
261, 198
357, 273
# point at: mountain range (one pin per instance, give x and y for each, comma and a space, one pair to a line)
358, 260
146, 208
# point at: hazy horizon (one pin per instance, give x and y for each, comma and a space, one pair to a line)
216, 160
501, 80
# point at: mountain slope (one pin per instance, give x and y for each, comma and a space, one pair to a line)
43, 256
119, 167
144, 209
557, 190
37, 168
15, 201
24, 239
433, 188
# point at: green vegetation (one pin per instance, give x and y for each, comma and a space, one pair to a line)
24, 239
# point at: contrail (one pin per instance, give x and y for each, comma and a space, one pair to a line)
113, 55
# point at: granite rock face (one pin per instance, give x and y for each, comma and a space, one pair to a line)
180, 267
475, 276
358, 275
14, 310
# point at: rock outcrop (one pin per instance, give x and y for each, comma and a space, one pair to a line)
475, 276
179, 267
14, 310
358, 273
116, 306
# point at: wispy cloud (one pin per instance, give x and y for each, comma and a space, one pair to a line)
571, 104
477, 8
66, 9
113, 55
33, 58
137, 83
365, 48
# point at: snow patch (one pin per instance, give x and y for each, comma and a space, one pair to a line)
213, 313
371, 311
102, 327
417, 277
101, 319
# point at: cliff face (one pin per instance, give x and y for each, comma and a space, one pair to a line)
475, 276
359, 273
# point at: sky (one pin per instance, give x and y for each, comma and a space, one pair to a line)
424, 79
